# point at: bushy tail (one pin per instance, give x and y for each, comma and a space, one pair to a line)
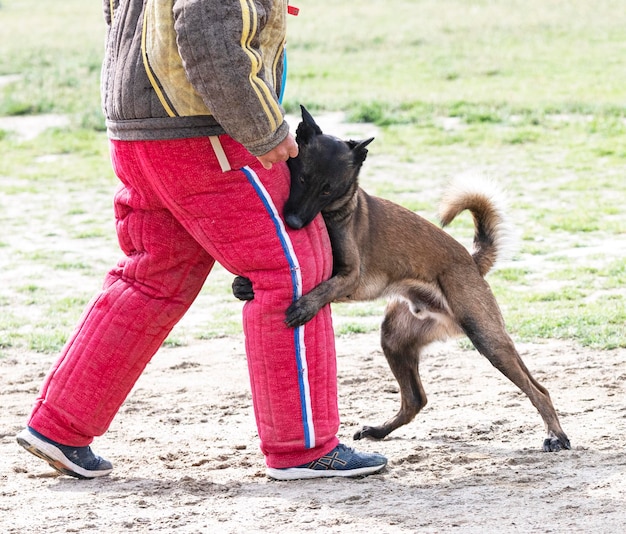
486, 202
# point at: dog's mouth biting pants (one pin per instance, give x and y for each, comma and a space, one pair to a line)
176, 214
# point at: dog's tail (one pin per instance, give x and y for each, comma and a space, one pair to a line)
485, 201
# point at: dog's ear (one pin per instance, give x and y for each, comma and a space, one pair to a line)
307, 129
358, 149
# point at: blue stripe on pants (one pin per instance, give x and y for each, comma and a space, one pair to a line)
294, 266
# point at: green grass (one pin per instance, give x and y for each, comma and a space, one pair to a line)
528, 92
508, 54
56, 72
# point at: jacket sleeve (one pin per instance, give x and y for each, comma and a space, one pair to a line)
232, 54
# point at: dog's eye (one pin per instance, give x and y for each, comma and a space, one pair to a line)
326, 190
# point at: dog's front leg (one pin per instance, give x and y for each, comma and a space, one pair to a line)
343, 283
307, 306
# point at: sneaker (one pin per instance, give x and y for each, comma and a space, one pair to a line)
342, 461
79, 462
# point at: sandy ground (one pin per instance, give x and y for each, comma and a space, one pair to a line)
186, 453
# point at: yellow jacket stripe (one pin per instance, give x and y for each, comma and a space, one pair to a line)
249, 27
151, 75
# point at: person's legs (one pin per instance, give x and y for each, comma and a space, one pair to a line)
236, 216
177, 212
126, 323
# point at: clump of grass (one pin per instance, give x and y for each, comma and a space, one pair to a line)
173, 342
354, 328
46, 342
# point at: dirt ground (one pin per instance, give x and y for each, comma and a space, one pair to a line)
186, 455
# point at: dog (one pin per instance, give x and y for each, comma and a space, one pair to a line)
436, 288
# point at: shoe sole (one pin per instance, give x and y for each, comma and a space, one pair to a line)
55, 458
299, 473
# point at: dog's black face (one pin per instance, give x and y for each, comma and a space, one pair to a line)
324, 173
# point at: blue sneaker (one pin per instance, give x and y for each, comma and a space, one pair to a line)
79, 462
342, 461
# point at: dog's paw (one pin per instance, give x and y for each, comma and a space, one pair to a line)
555, 444
360, 434
242, 288
371, 432
299, 313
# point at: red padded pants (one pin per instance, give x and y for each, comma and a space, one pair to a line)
177, 213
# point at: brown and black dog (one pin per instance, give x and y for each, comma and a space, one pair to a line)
436, 287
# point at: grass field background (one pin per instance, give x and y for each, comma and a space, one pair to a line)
530, 93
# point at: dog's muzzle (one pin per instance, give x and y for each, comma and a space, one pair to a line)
295, 222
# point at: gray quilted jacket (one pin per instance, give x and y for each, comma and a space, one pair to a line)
190, 68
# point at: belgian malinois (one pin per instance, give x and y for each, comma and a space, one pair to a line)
436, 288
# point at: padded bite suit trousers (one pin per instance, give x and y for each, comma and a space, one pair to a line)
177, 212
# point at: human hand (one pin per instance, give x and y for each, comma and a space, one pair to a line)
288, 148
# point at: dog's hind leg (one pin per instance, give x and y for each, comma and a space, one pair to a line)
504, 357
480, 318
400, 340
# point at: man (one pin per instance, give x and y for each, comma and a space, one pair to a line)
199, 142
